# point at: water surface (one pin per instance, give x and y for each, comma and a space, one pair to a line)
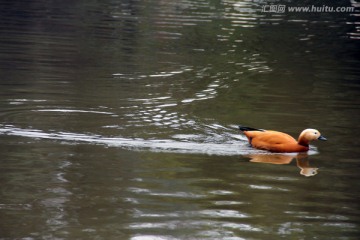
118, 120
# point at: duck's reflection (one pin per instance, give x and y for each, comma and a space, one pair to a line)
302, 161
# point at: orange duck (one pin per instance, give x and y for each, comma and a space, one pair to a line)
274, 141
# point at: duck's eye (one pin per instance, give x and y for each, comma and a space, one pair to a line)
315, 133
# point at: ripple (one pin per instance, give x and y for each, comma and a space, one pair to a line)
158, 145
227, 203
206, 94
221, 192
152, 237
23, 101
223, 214
244, 14
72, 111
265, 187
16, 207
225, 144
162, 74
185, 195
355, 34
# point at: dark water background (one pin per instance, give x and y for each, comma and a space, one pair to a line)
118, 120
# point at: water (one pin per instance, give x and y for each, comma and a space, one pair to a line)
118, 120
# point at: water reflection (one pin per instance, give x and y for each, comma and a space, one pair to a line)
302, 161
355, 32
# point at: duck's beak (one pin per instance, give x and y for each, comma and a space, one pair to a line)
322, 138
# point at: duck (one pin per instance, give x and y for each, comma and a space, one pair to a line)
280, 142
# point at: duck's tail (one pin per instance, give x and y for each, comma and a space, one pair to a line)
243, 128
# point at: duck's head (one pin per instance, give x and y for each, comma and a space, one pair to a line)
309, 135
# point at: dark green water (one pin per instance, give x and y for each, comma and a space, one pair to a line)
118, 120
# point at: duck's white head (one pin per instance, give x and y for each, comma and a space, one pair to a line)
310, 135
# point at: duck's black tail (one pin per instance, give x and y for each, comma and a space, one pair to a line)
243, 128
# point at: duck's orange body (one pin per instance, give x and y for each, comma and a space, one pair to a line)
274, 141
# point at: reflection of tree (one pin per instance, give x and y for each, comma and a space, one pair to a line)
302, 161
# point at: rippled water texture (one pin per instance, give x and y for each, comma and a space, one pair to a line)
119, 120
